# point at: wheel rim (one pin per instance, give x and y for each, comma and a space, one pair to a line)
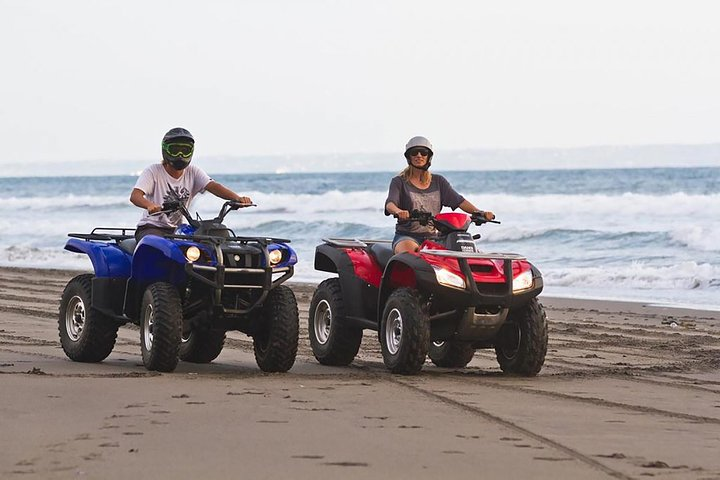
393, 331
148, 324
75, 318
322, 321
511, 343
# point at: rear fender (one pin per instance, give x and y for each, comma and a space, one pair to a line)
108, 259
358, 296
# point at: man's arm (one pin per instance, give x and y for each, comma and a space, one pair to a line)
220, 190
137, 197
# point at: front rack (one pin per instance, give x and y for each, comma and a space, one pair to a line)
474, 255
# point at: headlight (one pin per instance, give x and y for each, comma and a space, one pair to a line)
192, 254
275, 257
447, 278
523, 281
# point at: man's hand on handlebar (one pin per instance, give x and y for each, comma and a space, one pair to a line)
241, 202
167, 207
153, 208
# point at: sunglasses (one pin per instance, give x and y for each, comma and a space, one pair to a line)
184, 150
414, 151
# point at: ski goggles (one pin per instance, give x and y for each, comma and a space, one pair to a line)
421, 150
184, 150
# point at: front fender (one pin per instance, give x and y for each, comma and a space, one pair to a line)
405, 270
108, 259
158, 259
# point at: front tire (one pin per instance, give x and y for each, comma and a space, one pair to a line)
521, 343
160, 327
276, 341
332, 342
86, 335
201, 346
405, 332
451, 353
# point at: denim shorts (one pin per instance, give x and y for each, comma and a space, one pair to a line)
399, 237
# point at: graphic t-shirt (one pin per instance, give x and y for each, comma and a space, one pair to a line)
156, 183
408, 197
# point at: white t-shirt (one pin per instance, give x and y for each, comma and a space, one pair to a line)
155, 182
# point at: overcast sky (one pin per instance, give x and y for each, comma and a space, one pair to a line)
97, 79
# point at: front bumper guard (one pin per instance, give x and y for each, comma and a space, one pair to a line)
475, 321
215, 276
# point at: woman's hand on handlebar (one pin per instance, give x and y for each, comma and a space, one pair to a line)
402, 214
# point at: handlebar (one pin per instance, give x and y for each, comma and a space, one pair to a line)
426, 218
171, 206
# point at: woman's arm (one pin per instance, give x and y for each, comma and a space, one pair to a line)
470, 208
393, 209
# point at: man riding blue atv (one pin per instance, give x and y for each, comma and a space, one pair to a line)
184, 290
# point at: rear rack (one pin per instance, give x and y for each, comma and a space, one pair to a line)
352, 242
105, 233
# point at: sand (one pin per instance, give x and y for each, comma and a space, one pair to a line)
627, 391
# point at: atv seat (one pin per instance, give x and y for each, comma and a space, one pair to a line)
382, 253
128, 245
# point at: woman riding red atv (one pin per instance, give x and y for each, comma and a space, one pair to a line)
415, 188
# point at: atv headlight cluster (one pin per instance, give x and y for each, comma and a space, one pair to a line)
275, 257
193, 254
447, 278
523, 281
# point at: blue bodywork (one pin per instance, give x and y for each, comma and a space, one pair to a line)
154, 259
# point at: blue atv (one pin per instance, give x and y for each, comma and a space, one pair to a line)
184, 291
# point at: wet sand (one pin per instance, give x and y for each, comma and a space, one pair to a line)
627, 391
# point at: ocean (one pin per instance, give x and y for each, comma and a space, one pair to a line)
649, 235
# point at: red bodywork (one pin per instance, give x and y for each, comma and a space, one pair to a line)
452, 221
366, 268
484, 270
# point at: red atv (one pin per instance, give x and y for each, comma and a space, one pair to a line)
447, 300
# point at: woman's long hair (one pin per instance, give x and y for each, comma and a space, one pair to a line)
407, 172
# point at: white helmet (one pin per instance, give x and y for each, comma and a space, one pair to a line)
419, 142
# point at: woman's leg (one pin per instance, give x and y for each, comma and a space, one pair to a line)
406, 245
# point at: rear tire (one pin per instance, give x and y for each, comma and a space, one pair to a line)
201, 346
332, 342
451, 353
86, 335
276, 341
521, 343
405, 332
160, 327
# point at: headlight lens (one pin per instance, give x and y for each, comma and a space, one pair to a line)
447, 278
523, 281
192, 254
275, 257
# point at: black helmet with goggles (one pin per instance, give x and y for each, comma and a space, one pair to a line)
178, 146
